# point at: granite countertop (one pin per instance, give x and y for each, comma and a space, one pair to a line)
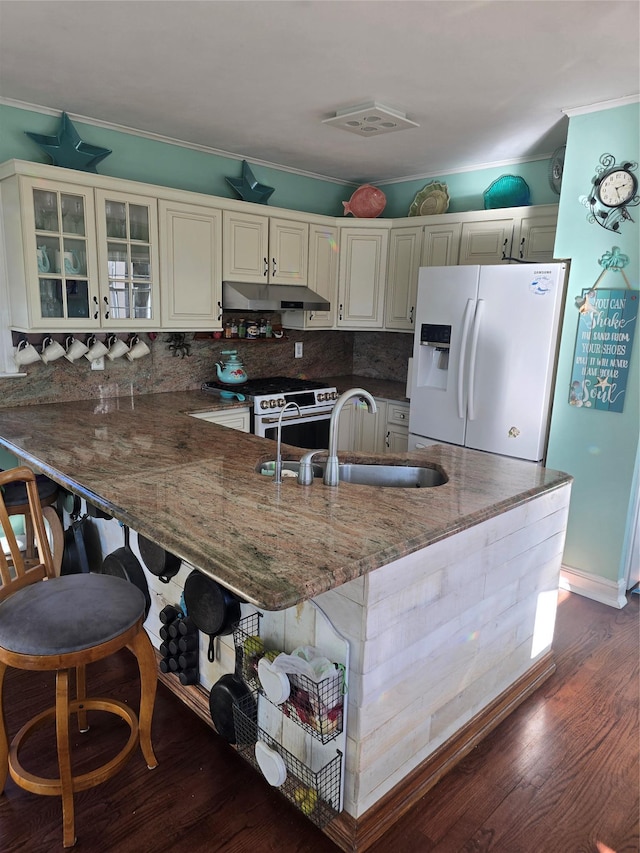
191, 486
385, 389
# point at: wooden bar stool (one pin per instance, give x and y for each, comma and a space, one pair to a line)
15, 499
63, 623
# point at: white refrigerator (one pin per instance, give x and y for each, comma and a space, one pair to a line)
484, 357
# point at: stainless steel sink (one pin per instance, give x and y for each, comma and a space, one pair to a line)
367, 474
396, 476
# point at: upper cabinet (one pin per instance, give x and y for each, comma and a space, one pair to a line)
322, 279
190, 266
264, 249
405, 247
88, 252
525, 235
51, 254
361, 278
128, 264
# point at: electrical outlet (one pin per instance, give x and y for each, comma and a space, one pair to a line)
298, 349
97, 363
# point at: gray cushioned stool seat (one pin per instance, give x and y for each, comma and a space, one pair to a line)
69, 613
15, 494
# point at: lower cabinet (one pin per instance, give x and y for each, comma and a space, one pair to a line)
385, 431
239, 418
396, 439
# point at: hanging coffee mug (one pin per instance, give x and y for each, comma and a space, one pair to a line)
75, 349
95, 349
117, 348
26, 353
137, 349
51, 350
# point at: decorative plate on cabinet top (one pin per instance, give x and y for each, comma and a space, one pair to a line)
507, 191
432, 199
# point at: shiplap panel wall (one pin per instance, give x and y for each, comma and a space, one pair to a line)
437, 635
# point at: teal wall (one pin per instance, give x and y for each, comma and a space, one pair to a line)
599, 448
466, 188
139, 158
151, 161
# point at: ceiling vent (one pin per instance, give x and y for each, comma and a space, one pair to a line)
370, 120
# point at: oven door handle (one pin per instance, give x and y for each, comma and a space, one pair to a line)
308, 416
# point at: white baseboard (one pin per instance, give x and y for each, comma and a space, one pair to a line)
598, 588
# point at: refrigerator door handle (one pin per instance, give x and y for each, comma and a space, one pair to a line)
466, 322
472, 360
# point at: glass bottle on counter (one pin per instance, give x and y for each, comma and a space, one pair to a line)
227, 329
262, 328
234, 329
242, 328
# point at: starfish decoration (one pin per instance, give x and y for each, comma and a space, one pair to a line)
68, 150
603, 383
248, 188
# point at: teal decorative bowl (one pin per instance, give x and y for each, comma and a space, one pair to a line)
507, 191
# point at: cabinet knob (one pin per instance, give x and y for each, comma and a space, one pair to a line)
340, 310
387, 437
411, 315
522, 248
266, 267
273, 261
106, 302
504, 249
219, 310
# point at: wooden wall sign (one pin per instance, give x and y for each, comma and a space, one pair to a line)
604, 343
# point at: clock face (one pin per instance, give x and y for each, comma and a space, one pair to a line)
617, 188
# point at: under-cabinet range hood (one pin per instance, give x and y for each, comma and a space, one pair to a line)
249, 296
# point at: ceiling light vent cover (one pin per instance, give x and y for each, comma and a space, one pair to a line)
370, 120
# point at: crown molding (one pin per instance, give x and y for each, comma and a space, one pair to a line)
601, 105
157, 137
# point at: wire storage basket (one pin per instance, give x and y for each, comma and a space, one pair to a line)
315, 794
317, 707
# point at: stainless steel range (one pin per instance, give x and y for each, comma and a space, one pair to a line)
307, 428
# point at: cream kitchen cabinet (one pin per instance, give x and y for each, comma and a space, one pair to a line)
396, 438
51, 254
128, 262
190, 266
322, 279
441, 244
264, 249
360, 430
405, 251
385, 431
527, 236
362, 277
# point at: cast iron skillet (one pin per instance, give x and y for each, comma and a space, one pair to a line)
123, 563
160, 563
213, 609
228, 691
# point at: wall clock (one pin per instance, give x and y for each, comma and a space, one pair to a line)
614, 189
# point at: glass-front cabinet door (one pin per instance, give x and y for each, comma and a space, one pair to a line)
61, 263
127, 229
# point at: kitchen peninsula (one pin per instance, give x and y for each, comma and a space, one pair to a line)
446, 595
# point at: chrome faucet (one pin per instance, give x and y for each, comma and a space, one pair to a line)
278, 477
331, 471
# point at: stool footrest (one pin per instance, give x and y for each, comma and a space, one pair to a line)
53, 787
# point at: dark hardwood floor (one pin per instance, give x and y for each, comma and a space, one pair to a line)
561, 775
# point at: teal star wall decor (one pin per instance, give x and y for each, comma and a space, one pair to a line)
248, 188
68, 150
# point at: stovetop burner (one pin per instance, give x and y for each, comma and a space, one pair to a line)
268, 385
